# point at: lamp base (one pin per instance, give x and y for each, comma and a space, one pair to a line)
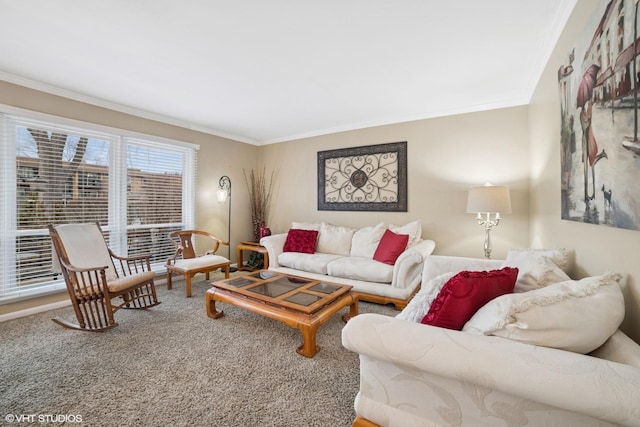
487, 243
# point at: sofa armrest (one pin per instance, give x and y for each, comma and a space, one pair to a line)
274, 244
408, 267
436, 265
570, 381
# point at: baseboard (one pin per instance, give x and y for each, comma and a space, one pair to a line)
34, 310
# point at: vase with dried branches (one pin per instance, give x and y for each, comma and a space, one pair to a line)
260, 191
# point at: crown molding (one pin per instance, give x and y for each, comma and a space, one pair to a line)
75, 96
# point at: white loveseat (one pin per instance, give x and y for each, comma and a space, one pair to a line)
345, 255
412, 374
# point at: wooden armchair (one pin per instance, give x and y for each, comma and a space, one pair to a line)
92, 280
186, 262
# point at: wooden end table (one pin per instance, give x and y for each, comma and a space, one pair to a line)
299, 302
254, 247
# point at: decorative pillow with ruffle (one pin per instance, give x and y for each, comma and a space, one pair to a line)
537, 267
420, 303
465, 293
573, 315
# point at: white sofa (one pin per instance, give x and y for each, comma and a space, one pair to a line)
412, 374
344, 255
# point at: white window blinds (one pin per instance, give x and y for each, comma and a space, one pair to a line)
52, 173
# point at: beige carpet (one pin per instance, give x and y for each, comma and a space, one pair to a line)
173, 365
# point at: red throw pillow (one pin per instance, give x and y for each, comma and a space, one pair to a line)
465, 293
301, 241
390, 247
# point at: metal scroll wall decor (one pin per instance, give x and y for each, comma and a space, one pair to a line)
600, 148
368, 178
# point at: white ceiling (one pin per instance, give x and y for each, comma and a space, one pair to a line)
268, 71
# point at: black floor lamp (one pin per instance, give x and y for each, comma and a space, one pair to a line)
224, 193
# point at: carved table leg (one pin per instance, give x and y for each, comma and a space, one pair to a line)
308, 347
353, 309
211, 305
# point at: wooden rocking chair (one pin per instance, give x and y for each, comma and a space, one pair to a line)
92, 280
186, 262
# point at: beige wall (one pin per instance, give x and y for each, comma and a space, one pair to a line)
597, 248
518, 147
216, 157
445, 157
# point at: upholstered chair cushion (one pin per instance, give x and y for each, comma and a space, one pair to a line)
190, 264
86, 247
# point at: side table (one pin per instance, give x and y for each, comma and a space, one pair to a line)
254, 247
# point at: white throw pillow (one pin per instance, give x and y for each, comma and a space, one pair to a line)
558, 256
306, 225
413, 229
333, 239
365, 240
419, 305
535, 272
574, 315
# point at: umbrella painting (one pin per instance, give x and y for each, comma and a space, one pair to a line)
600, 151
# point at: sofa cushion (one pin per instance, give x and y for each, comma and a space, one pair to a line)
361, 268
365, 240
390, 247
301, 241
413, 229
574, 315
465, 293
313, 263
419, 305
334, 239
535, 271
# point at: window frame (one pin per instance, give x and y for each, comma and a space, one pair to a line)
117, 227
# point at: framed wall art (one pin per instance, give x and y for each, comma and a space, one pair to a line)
367, 178
600, 145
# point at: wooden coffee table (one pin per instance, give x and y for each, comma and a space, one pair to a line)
296, 301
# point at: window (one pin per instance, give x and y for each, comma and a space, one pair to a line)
54, 171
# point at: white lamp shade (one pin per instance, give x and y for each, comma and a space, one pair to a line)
489, 198
222, 195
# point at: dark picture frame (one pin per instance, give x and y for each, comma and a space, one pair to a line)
367, 178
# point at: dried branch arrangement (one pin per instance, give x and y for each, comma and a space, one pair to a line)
260, 191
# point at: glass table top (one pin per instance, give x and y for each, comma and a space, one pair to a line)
289, 289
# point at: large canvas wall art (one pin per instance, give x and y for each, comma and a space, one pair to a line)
368, 178
600, 149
